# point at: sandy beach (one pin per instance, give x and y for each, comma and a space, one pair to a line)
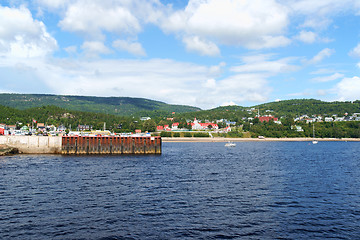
217, 139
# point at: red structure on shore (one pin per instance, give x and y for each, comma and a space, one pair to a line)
110, 145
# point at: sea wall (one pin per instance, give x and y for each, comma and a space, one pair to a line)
33, 144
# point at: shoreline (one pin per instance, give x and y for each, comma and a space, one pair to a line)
219, 139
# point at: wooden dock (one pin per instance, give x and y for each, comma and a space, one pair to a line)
77, 145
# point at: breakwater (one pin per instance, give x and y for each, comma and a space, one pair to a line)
83, 145
33, 144
111, 145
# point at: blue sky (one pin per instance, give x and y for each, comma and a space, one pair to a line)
203, 53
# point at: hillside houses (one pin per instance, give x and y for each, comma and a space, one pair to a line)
195, 125
334, 118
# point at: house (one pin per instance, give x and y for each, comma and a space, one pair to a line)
61, 128
175, 126
203, 126
84, 128
11, 127
339, 119
227, 129
328, 119
267, 118
40, 127
309, 120
159, 128
145, 118
137, 130
297, 128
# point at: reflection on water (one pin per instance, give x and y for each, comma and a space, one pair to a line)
255, 190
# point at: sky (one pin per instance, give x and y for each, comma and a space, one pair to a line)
203, 53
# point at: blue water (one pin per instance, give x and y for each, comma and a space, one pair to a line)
257, 190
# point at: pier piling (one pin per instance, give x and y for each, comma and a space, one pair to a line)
76, 145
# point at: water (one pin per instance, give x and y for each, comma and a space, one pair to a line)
257, 190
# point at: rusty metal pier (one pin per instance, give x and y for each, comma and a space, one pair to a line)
77, 145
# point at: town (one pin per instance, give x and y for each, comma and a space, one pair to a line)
254, 125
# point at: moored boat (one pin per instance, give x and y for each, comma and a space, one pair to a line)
230, 144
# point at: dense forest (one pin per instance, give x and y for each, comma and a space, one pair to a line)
122, 106
310, 107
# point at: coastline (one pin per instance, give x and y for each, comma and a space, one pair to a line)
219, 139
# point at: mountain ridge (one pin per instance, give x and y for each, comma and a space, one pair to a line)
123, 106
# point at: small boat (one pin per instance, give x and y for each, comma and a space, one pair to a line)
230, 144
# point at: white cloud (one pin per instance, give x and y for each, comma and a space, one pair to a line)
321, 92
53, 4
250, 23
134, 48
306, 92
94, 48
21, 36
355, 51
195, 44
244, 87
262, 63
307, 36
321, 55
321, 7
348, 89
71, 49
322, 71
210, 83
92, 18
318, 14
216, 71
165, 80
231, 103
332, 77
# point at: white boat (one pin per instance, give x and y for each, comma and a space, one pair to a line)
314, 141
230, 144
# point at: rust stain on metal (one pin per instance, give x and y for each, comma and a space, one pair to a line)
110, 145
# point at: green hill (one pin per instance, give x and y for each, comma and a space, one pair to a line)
310, 107
123, 106
288, 108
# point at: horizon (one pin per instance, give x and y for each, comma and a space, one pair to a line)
183, 52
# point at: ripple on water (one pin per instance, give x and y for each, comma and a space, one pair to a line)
256, 190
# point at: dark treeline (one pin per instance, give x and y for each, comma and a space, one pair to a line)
350, 129
52, 115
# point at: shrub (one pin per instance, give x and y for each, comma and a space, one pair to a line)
200, 134
176, 134
187, 134
165, 134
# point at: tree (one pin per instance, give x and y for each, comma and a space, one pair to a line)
149, 125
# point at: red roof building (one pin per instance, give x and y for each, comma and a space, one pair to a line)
267, 118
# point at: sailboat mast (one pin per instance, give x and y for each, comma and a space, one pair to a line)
313, 130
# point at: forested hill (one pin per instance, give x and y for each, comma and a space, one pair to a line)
123, 106
285, 108
310, 107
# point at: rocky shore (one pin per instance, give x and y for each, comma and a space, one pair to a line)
6, 150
